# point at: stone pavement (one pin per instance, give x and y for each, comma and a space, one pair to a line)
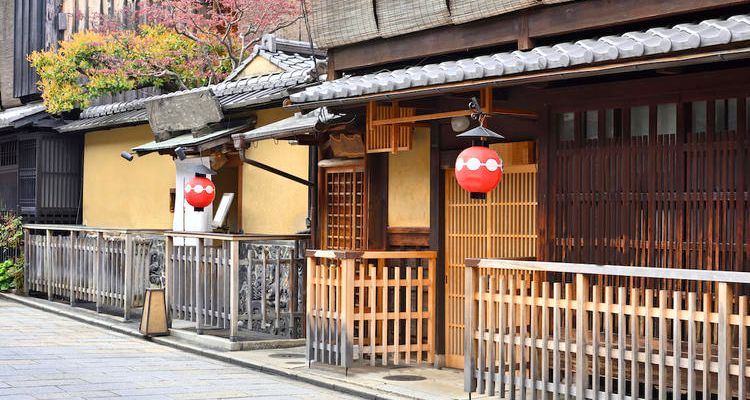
45, 356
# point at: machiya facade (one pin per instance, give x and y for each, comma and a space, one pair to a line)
611, 258
624, 195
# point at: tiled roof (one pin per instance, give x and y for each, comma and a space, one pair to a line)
605, 49
298, 123
289, 55
231, 94
11, 115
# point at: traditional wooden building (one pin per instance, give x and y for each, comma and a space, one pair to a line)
625, 144
242, 269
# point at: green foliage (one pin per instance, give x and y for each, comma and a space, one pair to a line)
7, 275
92, 64
11, 231
11, 237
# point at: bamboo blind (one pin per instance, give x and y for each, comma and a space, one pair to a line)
344, 208
388, 138
503, 226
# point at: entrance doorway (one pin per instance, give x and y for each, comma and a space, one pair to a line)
502, 226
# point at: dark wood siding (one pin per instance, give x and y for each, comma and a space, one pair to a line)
29, 36
650, 176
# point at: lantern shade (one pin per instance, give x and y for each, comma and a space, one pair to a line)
478, 169
200, 192
481, 133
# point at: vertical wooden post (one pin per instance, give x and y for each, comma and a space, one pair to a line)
724, 299
234, 289
168, 269
470, 326
72, 267
127, 293
26, 260
582, 296
48, 269
199, 307
310, 309
432, 267
347, 312
97, 271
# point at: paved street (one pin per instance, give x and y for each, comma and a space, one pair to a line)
43, 356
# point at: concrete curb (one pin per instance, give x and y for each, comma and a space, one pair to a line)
332, 384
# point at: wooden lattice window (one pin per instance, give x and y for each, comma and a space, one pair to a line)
391, 137
344, 197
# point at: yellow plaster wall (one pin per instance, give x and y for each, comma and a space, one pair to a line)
409, 183
121, 194
272, 204
258, 66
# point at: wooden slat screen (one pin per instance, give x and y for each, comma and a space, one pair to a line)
675, 199
503, 226
388, 138
344, 225
377, 306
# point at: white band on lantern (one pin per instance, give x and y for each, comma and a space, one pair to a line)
474, 164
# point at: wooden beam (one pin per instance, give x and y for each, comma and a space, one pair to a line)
505, 29
450, 114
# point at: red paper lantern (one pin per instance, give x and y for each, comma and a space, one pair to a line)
478, 169
200, 192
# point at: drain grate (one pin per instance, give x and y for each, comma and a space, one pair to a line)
404, 378
286, 355
295, 363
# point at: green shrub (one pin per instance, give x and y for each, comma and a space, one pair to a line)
7, 277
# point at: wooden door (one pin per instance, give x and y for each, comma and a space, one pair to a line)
503, 226
344, 213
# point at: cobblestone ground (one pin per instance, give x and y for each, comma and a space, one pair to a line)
43, 356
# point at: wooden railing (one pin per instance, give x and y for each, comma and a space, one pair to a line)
108, 267
370, 304
225, 281
531, 336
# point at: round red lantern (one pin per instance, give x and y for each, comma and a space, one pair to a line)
200, 192
478, 169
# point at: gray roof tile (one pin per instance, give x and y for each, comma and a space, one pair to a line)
658, 40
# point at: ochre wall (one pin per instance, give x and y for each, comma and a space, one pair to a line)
409, 183
121, 194
270, 203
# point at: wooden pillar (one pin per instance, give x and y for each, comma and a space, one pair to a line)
234, 290
347, 311
582, 296
127, 293
376, 176
437, 241
724, 298
98, 272
470, 326
310, 309
26, 260
168, 270
431, 308
542, 160
72, 267
199, 307
49, 270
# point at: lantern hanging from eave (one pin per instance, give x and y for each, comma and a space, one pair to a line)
200, 192
478, 170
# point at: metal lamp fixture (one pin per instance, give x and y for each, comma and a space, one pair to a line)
127, 156
479, 168
204, 170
